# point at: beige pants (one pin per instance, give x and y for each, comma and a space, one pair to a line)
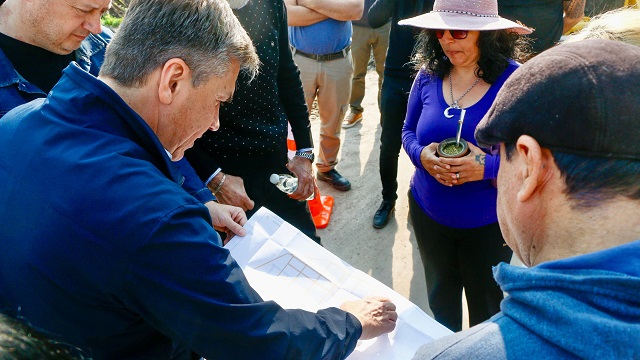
364, 41
330, 82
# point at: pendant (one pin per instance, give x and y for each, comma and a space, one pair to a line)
446, 111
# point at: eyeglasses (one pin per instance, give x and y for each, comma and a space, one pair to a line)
456, 34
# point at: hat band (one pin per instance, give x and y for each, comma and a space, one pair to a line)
465, 13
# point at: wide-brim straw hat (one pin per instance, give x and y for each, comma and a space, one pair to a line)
465, 15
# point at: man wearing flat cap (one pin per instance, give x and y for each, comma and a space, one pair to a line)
568, 126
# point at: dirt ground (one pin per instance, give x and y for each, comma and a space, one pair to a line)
390, 255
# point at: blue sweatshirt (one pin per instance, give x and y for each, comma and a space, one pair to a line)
425, 123
583, 307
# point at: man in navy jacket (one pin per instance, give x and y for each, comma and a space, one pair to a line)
39, 38
102, 248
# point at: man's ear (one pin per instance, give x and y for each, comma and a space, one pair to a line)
173, 76
531, 165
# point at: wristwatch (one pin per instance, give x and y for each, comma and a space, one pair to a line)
307, 154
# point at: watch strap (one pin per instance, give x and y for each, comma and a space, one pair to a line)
305, 154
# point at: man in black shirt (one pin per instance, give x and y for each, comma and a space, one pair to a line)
549, 18
365, 41
40, 66
40, 38
235, 162
398, 77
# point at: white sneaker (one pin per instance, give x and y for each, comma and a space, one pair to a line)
351, 120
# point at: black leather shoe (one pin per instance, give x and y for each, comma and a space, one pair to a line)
334, 179
381, 218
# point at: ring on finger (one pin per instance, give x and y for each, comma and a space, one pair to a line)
457, 175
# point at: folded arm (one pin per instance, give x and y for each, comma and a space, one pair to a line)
343, 10
298, 15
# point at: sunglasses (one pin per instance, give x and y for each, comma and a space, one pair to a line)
456, 34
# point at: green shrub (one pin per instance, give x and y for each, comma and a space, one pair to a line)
111, 22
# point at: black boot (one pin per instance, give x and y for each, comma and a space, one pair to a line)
334, 179
381, 218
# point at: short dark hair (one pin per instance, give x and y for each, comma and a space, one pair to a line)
496, 48
592, 180
19, 341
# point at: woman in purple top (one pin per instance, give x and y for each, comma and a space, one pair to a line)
464, 56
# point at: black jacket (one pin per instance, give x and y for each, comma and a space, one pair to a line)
401, 38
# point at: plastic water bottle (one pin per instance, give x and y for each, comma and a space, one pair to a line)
286, 183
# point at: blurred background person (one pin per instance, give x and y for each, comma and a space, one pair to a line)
398, 76
365, 41
464, 57
320, 38
549, 18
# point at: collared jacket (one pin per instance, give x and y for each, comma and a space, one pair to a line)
583, 307
103, 249
16, 90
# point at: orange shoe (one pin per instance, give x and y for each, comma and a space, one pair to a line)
351, 120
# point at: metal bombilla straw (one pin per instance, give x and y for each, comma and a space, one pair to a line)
462, 112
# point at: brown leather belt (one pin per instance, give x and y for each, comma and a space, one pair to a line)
328, 57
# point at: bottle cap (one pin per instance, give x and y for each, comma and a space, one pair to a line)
274, 178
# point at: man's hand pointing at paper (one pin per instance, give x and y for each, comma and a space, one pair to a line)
376, 314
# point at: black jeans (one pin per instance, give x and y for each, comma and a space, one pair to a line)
454, 259
393, 108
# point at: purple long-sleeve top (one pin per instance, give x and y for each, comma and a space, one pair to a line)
465, 206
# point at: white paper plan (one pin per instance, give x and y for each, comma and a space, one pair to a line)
284, 265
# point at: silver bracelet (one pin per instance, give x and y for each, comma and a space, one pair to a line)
224, 177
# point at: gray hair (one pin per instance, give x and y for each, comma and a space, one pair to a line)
203, 33
618, 25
